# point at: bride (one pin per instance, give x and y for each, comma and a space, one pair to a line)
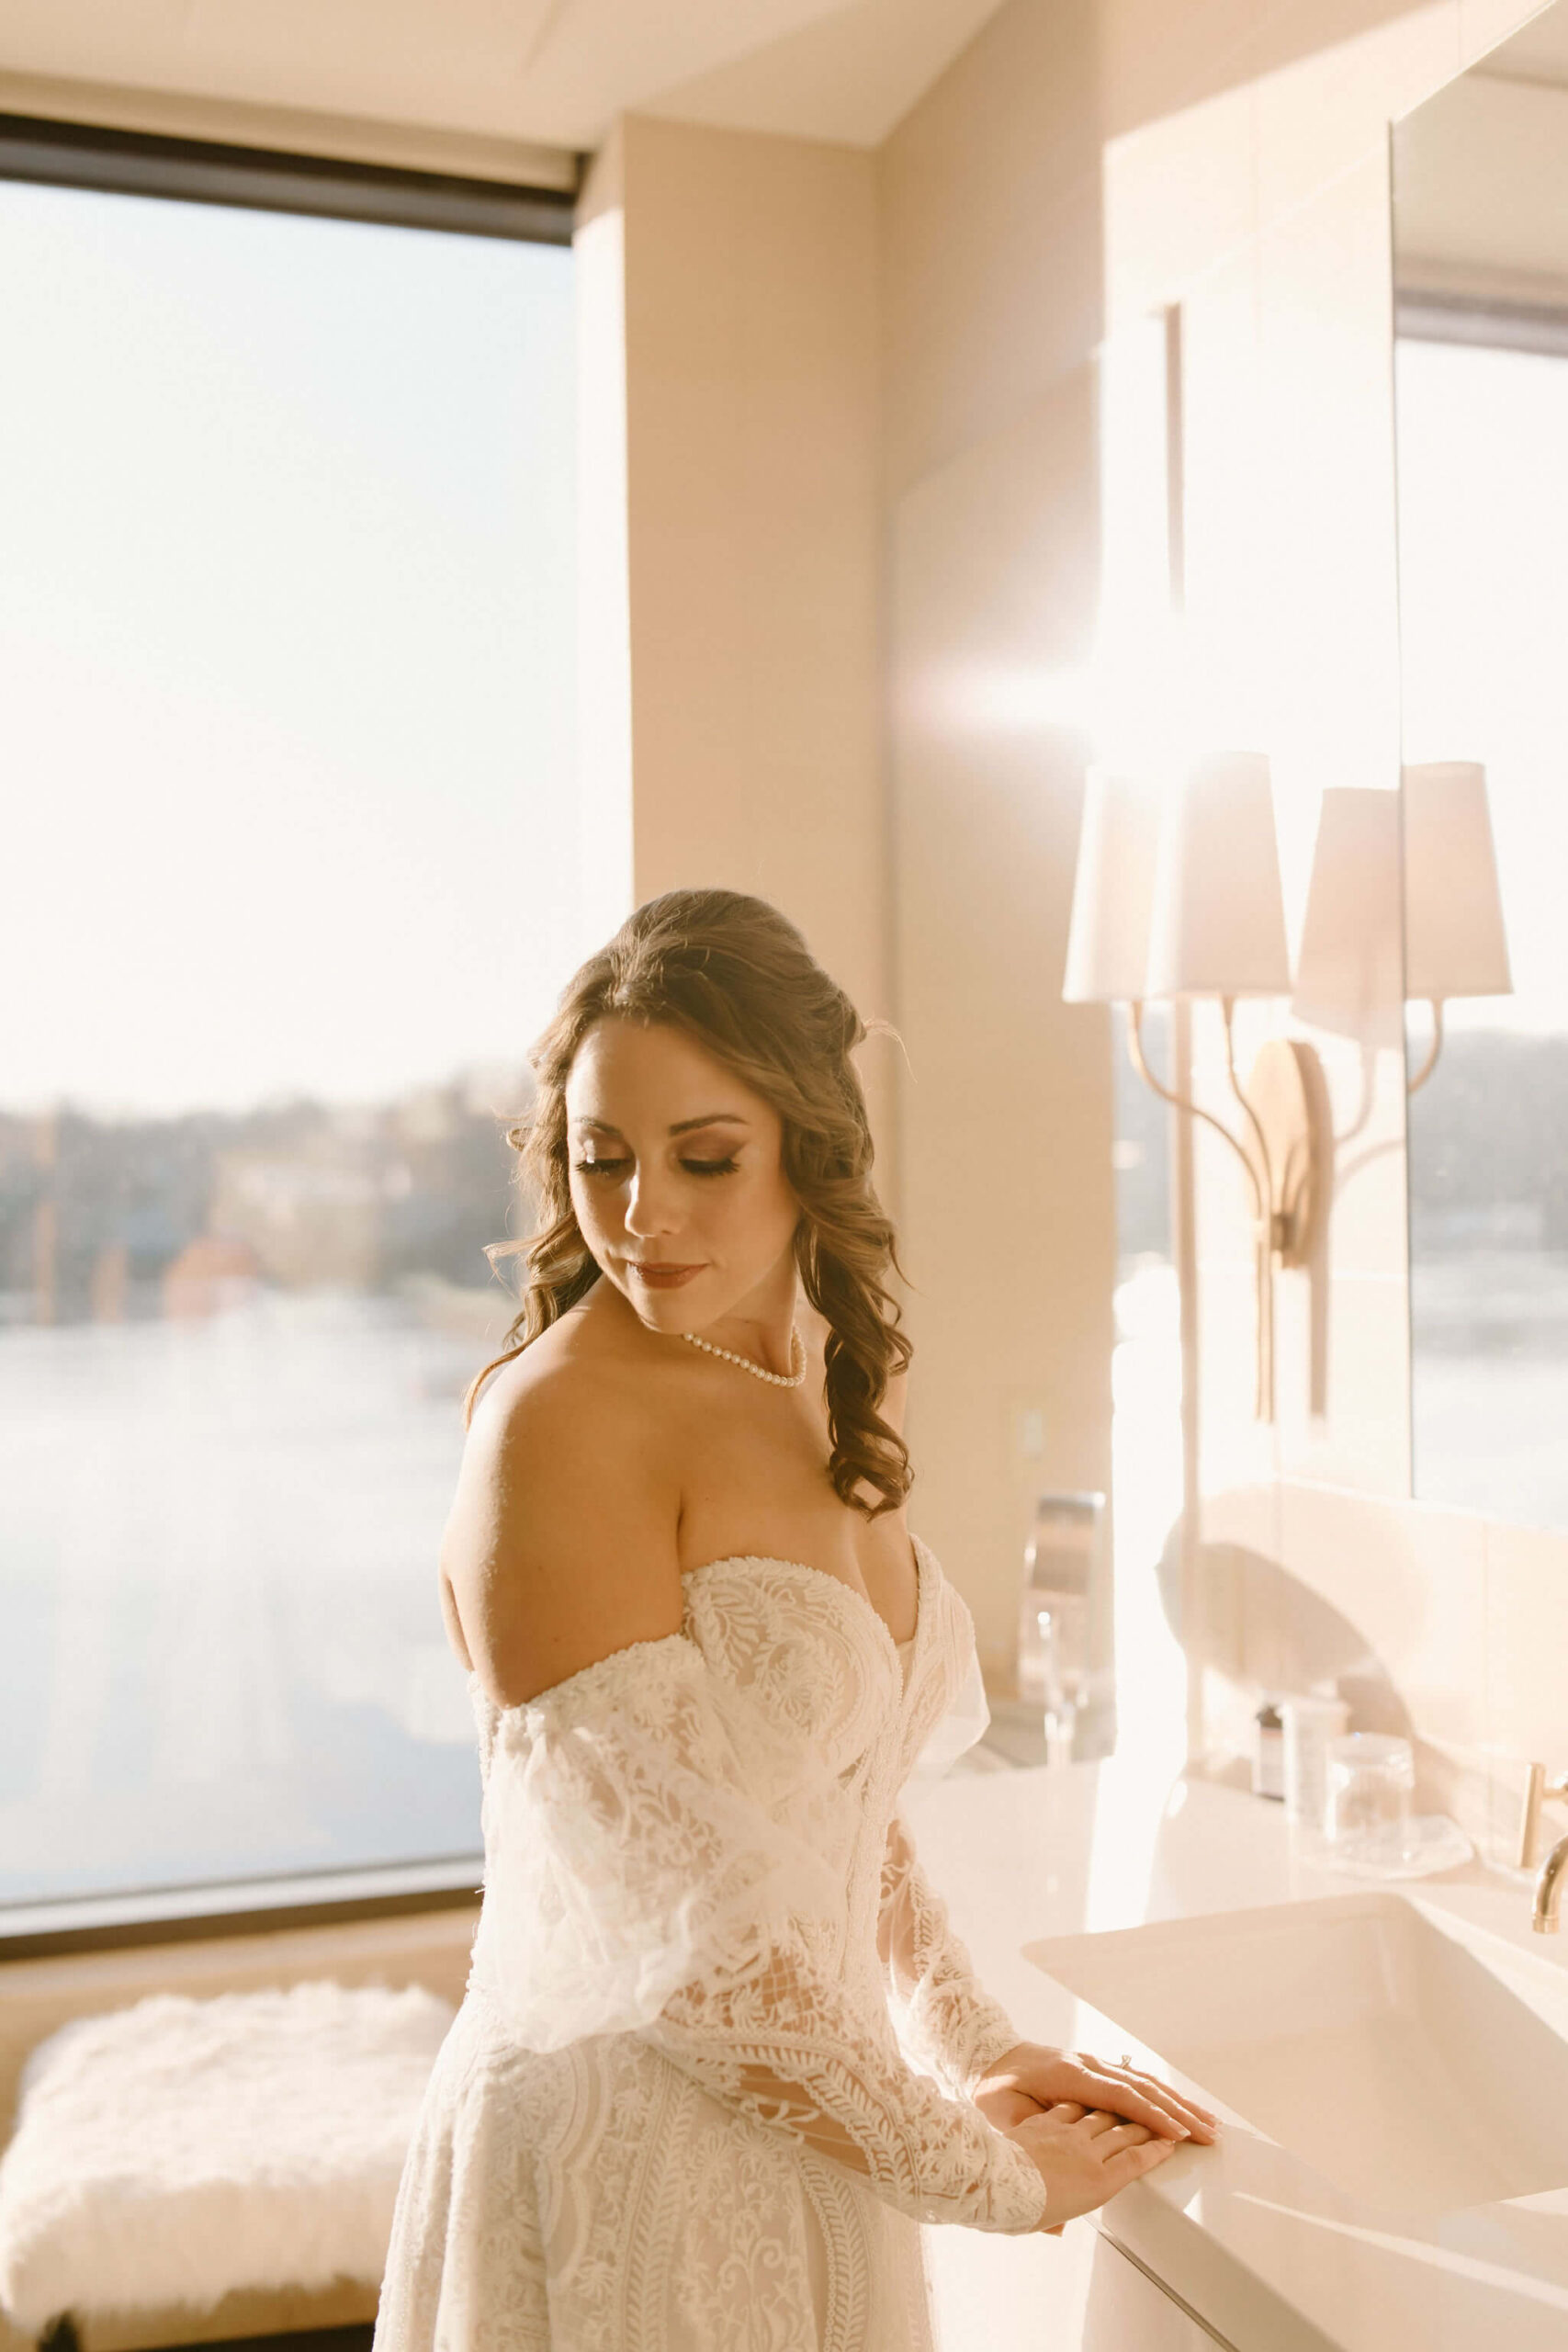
720, 2053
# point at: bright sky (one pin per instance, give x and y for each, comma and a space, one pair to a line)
285, 652
1484, 619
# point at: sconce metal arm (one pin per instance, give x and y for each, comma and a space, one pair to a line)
1267, 1224
1430, 1065
1228, 1006
1135, 1047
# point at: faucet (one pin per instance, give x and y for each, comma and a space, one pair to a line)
1545, 1912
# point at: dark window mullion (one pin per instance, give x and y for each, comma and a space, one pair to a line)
130, 162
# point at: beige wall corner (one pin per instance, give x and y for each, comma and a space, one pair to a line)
752, 452
1008, 1224
989, 215
990, 198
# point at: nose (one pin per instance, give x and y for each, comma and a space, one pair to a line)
650, 1207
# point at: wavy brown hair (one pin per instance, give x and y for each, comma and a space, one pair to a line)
736, 975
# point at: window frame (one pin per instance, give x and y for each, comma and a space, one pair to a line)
72, 154
269, 179
1483, 319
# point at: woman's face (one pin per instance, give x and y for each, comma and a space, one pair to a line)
675, 1165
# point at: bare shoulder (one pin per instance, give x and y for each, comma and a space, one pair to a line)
560, 1545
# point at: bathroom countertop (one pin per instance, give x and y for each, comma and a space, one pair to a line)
1270, 2253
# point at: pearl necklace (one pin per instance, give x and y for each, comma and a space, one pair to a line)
778, 1379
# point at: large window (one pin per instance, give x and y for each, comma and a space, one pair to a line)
290, 883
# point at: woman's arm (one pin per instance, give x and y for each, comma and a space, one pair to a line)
947, 2022
560, 1544
784, 2049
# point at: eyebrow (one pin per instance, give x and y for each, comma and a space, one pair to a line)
681, 1127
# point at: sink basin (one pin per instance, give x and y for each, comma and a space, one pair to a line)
1415, 2060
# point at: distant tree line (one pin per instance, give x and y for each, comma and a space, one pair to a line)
320, 1192
1490, 1128
308, 1192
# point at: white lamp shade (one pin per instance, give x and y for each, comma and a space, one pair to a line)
1349, 979
1455, 942
1108, 940
1218, 921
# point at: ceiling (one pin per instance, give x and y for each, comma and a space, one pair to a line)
1537, 52
503, 73
1481, 179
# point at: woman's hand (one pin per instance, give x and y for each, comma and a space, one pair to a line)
1083, 2155
1031, 2077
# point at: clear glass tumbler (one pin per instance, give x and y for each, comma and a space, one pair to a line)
1371, 1781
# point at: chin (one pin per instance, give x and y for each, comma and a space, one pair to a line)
661, 1310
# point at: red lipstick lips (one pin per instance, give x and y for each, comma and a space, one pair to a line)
659, 1277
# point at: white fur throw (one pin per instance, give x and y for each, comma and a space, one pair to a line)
169, 2152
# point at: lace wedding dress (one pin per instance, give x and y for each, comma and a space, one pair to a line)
711, 2071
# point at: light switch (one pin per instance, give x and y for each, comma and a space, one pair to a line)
1030, 1424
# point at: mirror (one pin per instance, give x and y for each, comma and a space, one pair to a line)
1481, 395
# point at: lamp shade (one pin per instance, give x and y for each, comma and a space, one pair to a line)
1217, 927
1108, 939
1455, 942
1350, 979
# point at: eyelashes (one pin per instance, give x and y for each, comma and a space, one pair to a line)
697, 1166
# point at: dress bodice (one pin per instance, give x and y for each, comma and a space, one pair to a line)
744, 1770
810, 1650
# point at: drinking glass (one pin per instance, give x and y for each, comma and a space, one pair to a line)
1371, 1780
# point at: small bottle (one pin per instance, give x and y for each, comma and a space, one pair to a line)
1269, 1753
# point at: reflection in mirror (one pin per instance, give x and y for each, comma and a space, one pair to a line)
1481, 374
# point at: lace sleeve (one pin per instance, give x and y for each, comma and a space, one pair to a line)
784, 2048
636, 1880
947, 2022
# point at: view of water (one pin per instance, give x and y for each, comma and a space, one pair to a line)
224, 1655
289, 594
1489, 1383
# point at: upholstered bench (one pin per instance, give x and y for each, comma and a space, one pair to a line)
173, 2152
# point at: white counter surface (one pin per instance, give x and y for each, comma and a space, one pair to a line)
1270, 2253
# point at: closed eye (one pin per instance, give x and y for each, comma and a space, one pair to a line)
726, 1167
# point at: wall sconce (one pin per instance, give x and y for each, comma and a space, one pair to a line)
1178, 896
1455, 939
1351, 977
1347, 976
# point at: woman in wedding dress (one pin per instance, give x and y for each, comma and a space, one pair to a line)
720, 2053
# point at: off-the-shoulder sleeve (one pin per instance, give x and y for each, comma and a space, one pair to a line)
642, 1874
